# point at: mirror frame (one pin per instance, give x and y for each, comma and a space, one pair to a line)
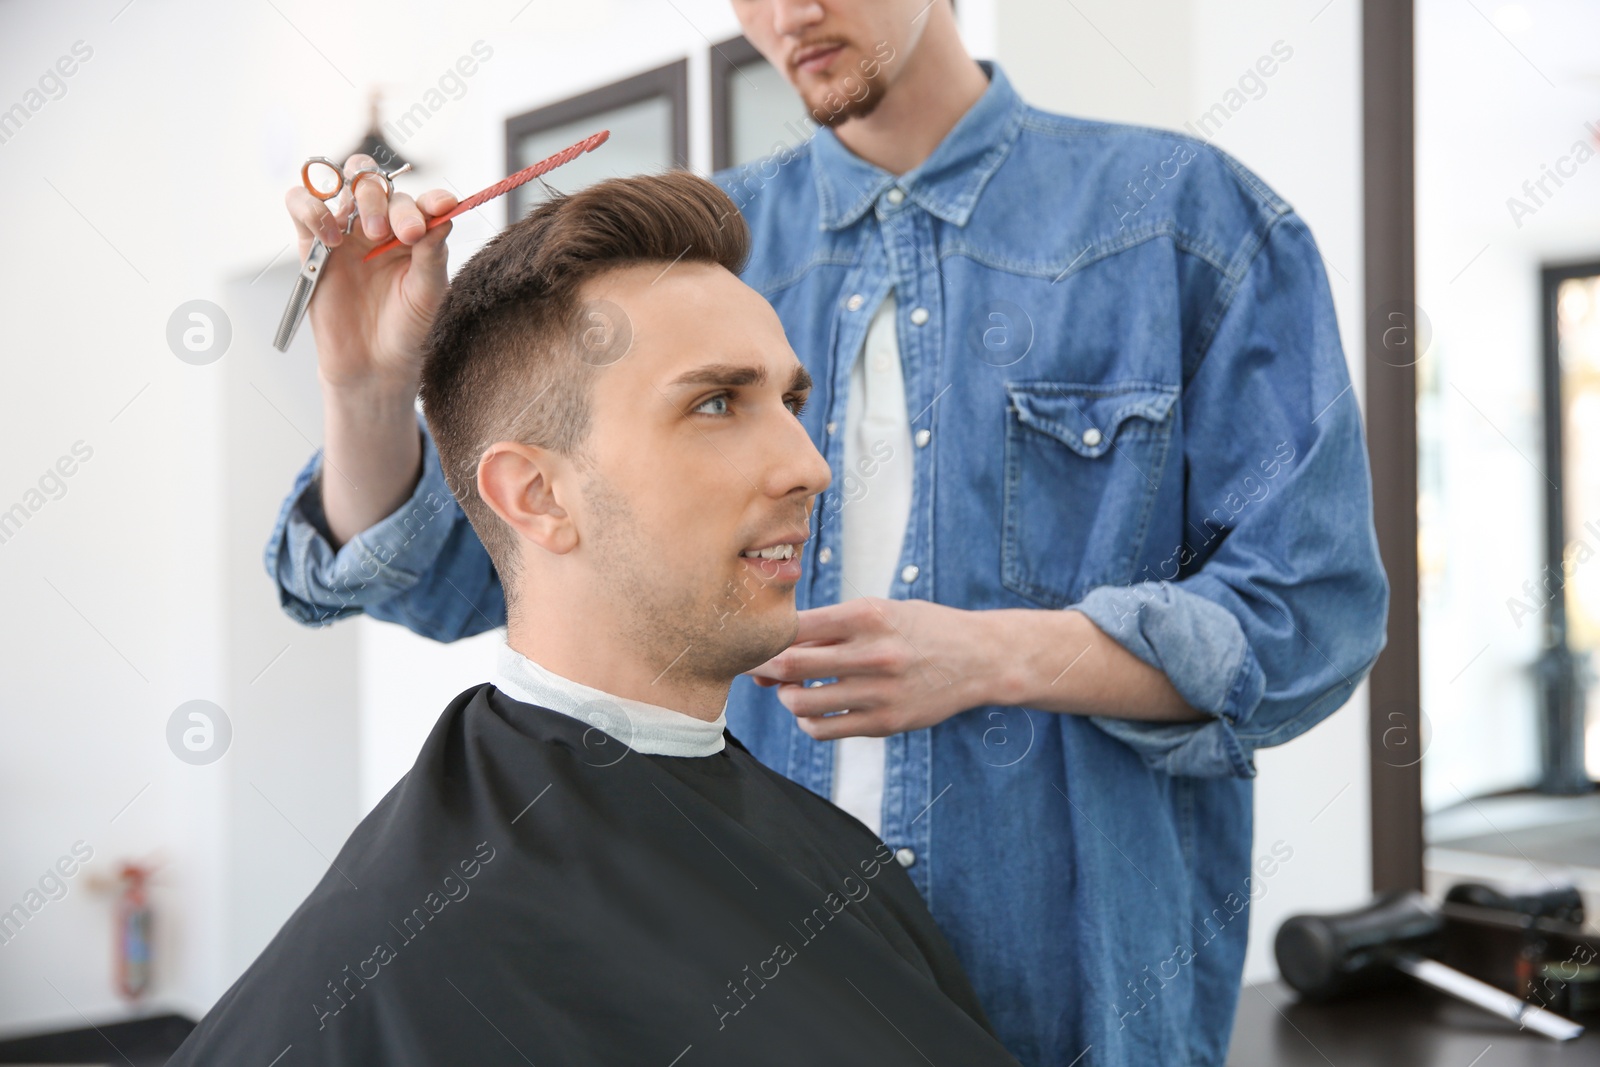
1388, 135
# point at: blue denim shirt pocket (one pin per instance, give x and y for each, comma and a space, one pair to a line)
1082, 465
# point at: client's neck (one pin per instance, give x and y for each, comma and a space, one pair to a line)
596, 655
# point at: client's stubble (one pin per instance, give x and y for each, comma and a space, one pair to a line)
693, 623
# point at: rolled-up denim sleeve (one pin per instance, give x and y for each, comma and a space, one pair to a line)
1277, 604
422, 566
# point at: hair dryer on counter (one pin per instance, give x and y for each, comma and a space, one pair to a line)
1322, 956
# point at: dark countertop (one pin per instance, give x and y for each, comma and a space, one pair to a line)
1408, 1026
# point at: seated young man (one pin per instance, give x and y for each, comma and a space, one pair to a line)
583, 866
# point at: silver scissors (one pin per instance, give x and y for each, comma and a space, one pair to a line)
324, 179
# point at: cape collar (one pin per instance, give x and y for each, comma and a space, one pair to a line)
647, 728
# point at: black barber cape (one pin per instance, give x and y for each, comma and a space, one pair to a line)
535, 892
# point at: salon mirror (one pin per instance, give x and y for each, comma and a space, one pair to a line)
1507, 363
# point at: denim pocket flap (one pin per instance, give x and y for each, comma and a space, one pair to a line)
1089, 418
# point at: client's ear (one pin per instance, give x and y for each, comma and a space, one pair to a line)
516, 481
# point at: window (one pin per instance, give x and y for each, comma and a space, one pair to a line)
1569, 589
754, 111
648, 116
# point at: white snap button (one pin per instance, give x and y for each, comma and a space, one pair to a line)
1091, 437
905, 857
855, 302
919, 316
895, 196
832, 426
923, 437
909, 573
824, 554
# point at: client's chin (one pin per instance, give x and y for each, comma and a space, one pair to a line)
749, 643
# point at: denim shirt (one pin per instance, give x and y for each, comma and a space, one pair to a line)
1128, 399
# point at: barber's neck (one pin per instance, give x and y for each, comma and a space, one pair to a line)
597, 653
938, 84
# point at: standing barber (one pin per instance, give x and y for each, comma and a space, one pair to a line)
1101, 522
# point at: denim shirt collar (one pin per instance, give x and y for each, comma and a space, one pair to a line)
946, 184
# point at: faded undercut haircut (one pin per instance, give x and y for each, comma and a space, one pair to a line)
515, 347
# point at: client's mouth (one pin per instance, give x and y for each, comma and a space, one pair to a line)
777, 561
772, 552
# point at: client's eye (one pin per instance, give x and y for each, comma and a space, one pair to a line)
795, 403
721, 398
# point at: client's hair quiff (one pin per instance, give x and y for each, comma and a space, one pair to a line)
507, 358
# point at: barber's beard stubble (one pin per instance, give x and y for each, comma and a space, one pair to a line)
856, 95
695, 624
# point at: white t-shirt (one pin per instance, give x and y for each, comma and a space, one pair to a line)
875, 486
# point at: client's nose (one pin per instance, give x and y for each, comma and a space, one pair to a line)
796, 467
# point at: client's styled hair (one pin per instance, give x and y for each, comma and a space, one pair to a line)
508, 358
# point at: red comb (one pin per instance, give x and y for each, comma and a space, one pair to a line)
505, 185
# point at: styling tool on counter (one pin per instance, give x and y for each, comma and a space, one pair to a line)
1323, 956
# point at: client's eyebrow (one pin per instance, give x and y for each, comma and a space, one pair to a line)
732, 374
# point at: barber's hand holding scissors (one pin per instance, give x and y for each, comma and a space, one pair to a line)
371, 319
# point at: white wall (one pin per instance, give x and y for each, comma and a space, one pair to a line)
1165, 63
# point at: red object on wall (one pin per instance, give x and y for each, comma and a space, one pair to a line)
133, 932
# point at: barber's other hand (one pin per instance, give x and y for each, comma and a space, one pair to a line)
371, 319
901, 665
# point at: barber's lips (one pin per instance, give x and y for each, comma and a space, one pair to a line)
780, 564
815, 60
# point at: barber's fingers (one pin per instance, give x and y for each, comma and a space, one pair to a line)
429, 255
429, 274
808, 701
879, 723
312, 219
371, 196
436, 202
856, 617
862, 658
409, 218
406, 219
